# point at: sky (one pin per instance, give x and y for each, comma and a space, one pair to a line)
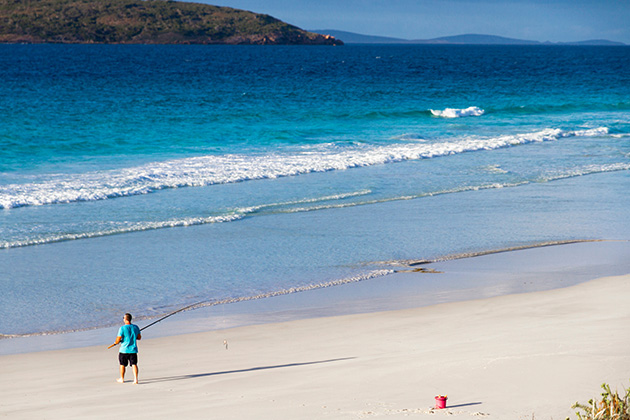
536, 20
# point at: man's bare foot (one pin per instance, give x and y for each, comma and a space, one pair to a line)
135, 382
120, 380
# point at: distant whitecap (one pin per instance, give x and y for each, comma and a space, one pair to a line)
472, 111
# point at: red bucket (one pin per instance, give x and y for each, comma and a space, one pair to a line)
440, 401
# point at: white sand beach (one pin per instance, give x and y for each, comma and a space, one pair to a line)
520, 356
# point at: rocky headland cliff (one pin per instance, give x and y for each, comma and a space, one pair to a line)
144, 22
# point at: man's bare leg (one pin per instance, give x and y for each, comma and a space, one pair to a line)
122, 375
135, 374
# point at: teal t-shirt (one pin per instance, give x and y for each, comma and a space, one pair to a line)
129, 334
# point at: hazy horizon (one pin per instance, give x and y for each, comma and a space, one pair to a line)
536, 20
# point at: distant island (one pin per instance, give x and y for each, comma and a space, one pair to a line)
144, 22
467, 39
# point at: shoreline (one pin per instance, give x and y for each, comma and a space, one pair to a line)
156, 272
404, 266
446, 279
516, 356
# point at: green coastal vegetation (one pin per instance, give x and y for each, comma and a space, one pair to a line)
144, 22
611, 407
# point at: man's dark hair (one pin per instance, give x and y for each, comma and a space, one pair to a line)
128, 317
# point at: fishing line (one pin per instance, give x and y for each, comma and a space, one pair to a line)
171, 314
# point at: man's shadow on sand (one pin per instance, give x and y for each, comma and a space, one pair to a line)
227, 372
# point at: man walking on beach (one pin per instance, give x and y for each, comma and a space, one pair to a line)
128, 334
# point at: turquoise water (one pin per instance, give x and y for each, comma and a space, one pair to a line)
147, 178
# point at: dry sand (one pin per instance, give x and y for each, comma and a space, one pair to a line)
520, 356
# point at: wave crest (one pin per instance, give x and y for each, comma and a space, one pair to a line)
210, 170
472, 111
315, 204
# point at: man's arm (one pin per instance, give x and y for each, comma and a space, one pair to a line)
118, 340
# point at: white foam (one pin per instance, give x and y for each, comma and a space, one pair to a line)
229, 216
358, 278
472, 111
222, 169
333, 197
136, 227
585, 170
354, 279
495, 169
591, 132
295, 206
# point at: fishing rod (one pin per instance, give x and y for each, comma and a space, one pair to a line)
172, 313
164, 317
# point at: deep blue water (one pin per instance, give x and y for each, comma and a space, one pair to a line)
146, 178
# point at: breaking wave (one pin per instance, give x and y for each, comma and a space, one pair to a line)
336, 201
472, 111
231, 168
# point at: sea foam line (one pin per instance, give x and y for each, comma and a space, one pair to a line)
230, 215
354, 279
209, 170
285, 207
586, 170
570, 173
464, 255
139, 227
405, 197
343, 196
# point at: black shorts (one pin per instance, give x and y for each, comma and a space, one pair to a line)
128, 359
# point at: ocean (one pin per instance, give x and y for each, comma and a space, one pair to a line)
145, 178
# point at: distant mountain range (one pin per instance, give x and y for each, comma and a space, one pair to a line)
180, 22
470, 39
144, 22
